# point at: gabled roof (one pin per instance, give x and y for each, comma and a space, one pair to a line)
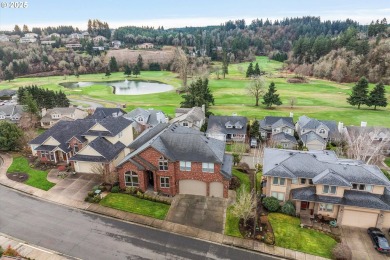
107, 150
312, 136
189, 114
329, 177
270, 122
7, 92
103, 112
153, 117
11, 110
218, 123
282, 136
114, 125
306, 122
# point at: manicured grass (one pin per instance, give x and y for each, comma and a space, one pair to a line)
36, 178
290, 235
318, 98
387, 161
231, 225
135, 205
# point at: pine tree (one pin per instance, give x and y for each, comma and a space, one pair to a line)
17, 30
10, 135
136, 71
249, 71
108, 73
198, 94
271, 98
30, 105
225, 64
113, 64
25, 29
127, 70
377, 96
254, 129
8, 75
256, 72
140, 62
359, 94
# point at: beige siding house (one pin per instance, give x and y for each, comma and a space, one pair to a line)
54, 115
320, 184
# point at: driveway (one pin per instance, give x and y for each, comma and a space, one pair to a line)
206, 213
74, 187
360, 243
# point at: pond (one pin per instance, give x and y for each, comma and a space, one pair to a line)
125, 87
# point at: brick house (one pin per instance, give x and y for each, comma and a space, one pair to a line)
319, 183
177, 160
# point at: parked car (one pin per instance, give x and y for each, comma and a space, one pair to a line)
379, 240
253, 142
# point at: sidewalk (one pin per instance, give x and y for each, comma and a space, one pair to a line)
6, 161
31, 251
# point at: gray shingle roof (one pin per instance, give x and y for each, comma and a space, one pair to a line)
192, 115
61, 110
313, 163
268, 122
282, 136
311, 136
7, 92
329, 177
351, 198
306, 122
114, 125
105, 148
103, 112
11, 110
146, 135
219, 123
152, 116
48, 148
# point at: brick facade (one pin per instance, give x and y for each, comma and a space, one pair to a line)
173, 172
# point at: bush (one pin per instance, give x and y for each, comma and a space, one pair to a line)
288, 208
115, 189
10, 252
243, 167
271, 203
269, 238
1, 251
234, 183
131, 190
342, 252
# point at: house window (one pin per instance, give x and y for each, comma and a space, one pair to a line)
294, 181
326, 207
285, 145
207, 167
322, 131
279, 181
120, 134
362, 187
75, 148
311, 181
163, 164
164, 182
131, 179
278, 195
140, 119
329, 189
2, 117
185, 166
303, 180
55, 116
185, 124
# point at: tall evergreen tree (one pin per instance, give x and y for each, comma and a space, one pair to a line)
254, 129
108, 72
377, 96
271, 98
249, 71
136, 71
256, 72
140, 62
8, 75
113, 64
225, 63
30, 105
359, 94
10, 135
198, 94
127, 70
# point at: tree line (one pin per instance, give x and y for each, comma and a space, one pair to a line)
44, 98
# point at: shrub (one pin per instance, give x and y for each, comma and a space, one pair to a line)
342, 252
96, 199
288, 208
131, 190
115, 189
234, 183
271, 203
10, 252
243, 167
1, 251
269, 238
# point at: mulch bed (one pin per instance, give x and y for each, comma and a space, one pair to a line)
18, 176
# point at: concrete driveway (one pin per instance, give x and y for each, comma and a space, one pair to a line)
360, 243
198, 211
73, 187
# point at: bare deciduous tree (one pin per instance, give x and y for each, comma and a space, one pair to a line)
106, 175
245, 205
293, 101
256, 88
238, 150
365, 144
180, 63
28, 121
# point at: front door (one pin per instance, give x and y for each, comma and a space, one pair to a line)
304, 205
150, 179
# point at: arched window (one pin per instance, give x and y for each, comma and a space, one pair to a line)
131, 179
322, 131
163, 164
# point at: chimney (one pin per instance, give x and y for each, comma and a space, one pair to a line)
43, 112
340, 126
291, 114
204, 108
363, 124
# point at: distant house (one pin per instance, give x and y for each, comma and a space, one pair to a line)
146, 118
47, 42
98, 48
146, 45
7, 94
4, 38
73, 45
177, 160
76, 36
52, 116
85, 35
27, 40
189, 117
54, 36
316, 133
271, 125
99, 38
11, 113
103, 112
31, 35
284, 140
227, 128
116, 44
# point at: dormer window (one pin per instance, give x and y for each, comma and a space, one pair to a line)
55, 116
362, 187
322, 131
140, 119
229, 126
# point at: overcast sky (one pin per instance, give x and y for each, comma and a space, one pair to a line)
179, 13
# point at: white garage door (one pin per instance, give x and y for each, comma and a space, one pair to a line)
315, 146
359, 219
216, 189
84, 167
192, 187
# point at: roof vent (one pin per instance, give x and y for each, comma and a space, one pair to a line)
345, 167
315, 156
276, 164
291, 153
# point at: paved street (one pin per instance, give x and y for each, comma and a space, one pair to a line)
88, 236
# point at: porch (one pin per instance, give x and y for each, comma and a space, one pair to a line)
317, 215
52, 155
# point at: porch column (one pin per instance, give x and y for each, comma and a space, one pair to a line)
67, 158
379, 222
340, 215
297, 207
55, 157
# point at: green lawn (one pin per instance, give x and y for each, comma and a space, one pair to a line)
387, 161
36, 178
135, 205
318, 98
290, 235
231, 225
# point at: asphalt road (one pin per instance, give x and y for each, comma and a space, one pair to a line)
89, 236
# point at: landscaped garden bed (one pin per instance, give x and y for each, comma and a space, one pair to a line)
35, 178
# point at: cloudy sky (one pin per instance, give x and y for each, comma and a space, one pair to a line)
179, 13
